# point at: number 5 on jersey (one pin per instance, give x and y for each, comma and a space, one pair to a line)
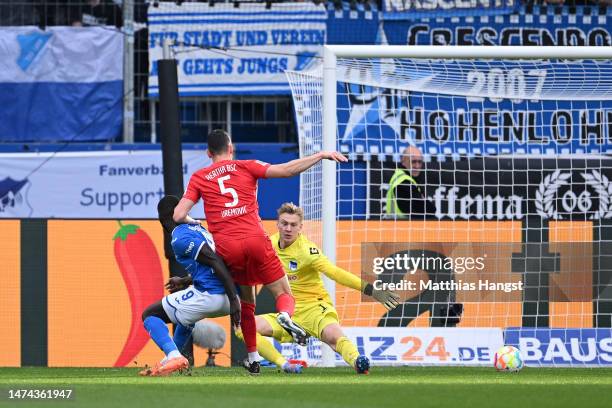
228, 190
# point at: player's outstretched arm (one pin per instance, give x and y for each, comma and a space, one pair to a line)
389, 299
208, 257
339, 275
297, 166
181, 212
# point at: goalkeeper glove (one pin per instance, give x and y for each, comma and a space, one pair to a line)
389, 299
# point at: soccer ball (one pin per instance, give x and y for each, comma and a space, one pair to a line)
508, 358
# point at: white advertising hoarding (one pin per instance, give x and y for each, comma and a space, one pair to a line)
411, 346
109, 184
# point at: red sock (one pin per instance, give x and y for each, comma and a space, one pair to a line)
247, 323
285, 303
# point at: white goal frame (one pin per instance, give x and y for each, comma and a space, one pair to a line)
330, 55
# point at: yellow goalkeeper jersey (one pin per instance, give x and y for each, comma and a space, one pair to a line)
303, 263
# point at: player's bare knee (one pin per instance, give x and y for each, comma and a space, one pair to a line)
331, 334
279, 287
332, 342
147, 312
156, 310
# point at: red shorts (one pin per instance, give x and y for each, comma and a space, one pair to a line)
251, 260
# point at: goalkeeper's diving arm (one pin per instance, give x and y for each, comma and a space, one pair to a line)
389, 299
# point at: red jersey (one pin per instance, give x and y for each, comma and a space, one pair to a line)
229, 191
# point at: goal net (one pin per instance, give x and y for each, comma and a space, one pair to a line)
478, 189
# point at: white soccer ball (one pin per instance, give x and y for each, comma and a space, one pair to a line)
208, 335
508, 358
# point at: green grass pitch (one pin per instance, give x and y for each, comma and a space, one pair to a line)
418, 387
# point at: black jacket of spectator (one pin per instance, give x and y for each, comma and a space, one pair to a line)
94, 13
411, 200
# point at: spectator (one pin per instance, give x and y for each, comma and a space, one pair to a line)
94, 13
405, 198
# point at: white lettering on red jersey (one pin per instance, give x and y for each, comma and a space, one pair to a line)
229, 191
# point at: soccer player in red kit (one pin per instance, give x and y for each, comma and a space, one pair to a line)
229, 190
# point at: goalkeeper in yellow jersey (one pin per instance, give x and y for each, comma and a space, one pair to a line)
314, 311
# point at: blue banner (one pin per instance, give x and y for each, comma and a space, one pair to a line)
62, 84
378, 120
436, 117
348, 26
225, 50
527, 26
417, 9
562, 347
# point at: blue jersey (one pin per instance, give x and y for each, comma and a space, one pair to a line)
187, 241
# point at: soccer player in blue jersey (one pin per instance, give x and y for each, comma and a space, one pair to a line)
211, 294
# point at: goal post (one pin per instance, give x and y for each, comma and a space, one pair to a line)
328, 193
515, 141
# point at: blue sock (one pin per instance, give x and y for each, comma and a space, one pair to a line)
159, 333
181, 335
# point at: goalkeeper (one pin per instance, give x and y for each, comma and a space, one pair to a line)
314, 310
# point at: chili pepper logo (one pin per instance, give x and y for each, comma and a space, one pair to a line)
141, 269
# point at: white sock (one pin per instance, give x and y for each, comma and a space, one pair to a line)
173, 354
254, 356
